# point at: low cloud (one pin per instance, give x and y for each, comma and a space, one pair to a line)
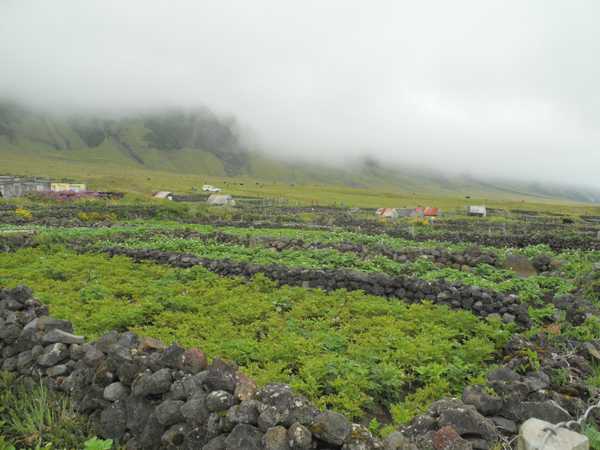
502, 88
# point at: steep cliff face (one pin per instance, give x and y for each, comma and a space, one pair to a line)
174, 140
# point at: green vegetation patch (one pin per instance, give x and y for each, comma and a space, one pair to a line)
345, 350
33, 417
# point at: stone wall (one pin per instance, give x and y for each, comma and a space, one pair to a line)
11, 242
564, 238
482, 302
471, 257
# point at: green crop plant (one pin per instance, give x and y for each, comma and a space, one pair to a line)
345, 350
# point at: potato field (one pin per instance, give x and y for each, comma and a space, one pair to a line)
376, 321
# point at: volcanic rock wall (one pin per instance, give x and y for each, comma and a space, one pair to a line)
482, 302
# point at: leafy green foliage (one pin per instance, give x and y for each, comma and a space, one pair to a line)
593, 434
98, 444
345, 350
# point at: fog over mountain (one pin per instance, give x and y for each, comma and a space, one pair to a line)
501, 88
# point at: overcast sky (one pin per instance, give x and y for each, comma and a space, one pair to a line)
510, 87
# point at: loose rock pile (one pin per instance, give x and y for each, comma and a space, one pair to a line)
470, 257
512, 394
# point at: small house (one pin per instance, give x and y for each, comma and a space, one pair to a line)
475, 210
221, 200
387, 213
165, 195
11, 187
67, 187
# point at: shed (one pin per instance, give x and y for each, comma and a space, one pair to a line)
477, 210
221, 200
164, 195
431, 212
388, 213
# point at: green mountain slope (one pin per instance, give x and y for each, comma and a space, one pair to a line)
201, 143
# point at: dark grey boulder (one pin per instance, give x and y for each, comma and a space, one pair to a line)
300, 437
155, 383
127, 372
77, 352
548, 411
302, 411
217, 443
10, 364
194, 383
107, 342
57, 371
219, 401
276, 439
467, 422
139, 410
169, 412
53, 354
113, 422
278, 395
24, 359
172, 356
360, 439
537, 381
270, 417
194, 410
503, 374
175, 436
58, 335
486, 404
150, 437
244, 437
214, 425
504, 425
221, 376
115, 391
331, 427
92, 356
10, 333
46, 323
246, 412
397, 441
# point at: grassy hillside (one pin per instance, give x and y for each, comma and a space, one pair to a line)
177, 151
